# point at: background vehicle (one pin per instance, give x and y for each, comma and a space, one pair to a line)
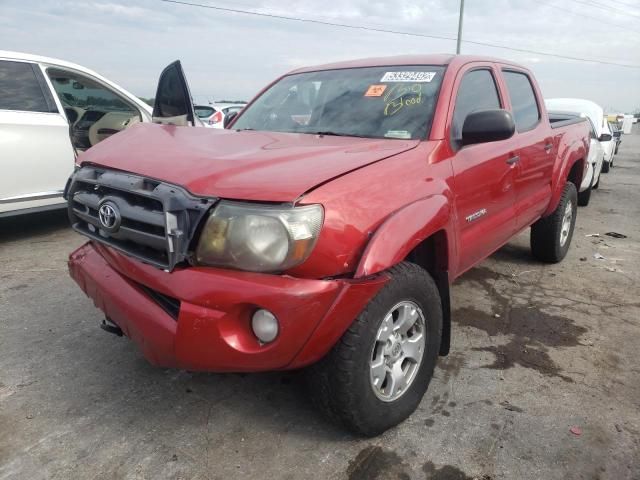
220, 111
617, 136
324, 227
562, 108
48, 109
609, 145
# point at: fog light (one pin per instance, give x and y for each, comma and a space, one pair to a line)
264, 325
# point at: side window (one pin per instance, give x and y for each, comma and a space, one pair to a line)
477, 91
84, 93
203, 111
23, 88
523, 100
593, 133
94, 111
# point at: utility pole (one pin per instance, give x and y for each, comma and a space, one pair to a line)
460, 27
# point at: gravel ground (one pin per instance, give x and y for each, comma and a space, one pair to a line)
537, 350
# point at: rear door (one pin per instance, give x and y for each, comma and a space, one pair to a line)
173, 102
533, 171
36, 156
483, 172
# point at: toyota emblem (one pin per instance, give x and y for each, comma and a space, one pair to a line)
109, 216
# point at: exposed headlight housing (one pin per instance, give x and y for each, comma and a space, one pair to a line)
259, 238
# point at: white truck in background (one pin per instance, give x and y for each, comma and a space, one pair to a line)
49, 110
601, 144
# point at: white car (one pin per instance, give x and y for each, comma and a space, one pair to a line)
560, 107
213, 115
50, 110
609, 147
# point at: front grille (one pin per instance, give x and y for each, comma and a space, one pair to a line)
151, 220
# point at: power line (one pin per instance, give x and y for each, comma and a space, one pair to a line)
633, 5
396, 32
606, 7
307, 20
599, 20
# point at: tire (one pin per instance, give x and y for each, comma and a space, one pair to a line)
615, 152
549, 241
584, 197
342, 383
597, 184
605, 167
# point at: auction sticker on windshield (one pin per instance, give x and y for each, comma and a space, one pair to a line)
408, 77
375, 90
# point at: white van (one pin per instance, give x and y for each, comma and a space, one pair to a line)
50, 110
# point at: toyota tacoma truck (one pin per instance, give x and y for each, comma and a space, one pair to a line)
323, 227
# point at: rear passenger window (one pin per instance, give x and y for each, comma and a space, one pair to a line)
21, 88
477, 92
523, 101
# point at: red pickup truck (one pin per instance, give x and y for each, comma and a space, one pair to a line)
323, 227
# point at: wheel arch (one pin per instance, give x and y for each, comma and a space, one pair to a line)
573, 171
418, 233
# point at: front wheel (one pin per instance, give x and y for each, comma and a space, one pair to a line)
551, 236
378, 372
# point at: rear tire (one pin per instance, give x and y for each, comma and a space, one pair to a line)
605, 167
551, 236
354, 383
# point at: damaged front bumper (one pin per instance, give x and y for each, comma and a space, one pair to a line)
199, 318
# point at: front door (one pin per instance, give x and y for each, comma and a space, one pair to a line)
173, 103
36, 156
483, 173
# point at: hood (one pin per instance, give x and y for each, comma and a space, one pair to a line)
242, 165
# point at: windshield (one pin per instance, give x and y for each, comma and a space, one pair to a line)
373, 102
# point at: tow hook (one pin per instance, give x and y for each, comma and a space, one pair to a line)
108, 326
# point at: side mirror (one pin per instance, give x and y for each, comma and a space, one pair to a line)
605, 137
228, 118
487, 126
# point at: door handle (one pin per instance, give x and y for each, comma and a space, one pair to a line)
513, 160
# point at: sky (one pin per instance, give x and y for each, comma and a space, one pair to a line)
232, 55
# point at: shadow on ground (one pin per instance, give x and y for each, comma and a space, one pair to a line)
34, 224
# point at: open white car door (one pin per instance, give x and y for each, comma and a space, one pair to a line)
173, 104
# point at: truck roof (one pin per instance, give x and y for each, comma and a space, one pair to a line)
434, 59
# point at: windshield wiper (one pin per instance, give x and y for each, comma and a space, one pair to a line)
329, 133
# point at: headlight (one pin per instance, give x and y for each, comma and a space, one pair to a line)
259, 238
